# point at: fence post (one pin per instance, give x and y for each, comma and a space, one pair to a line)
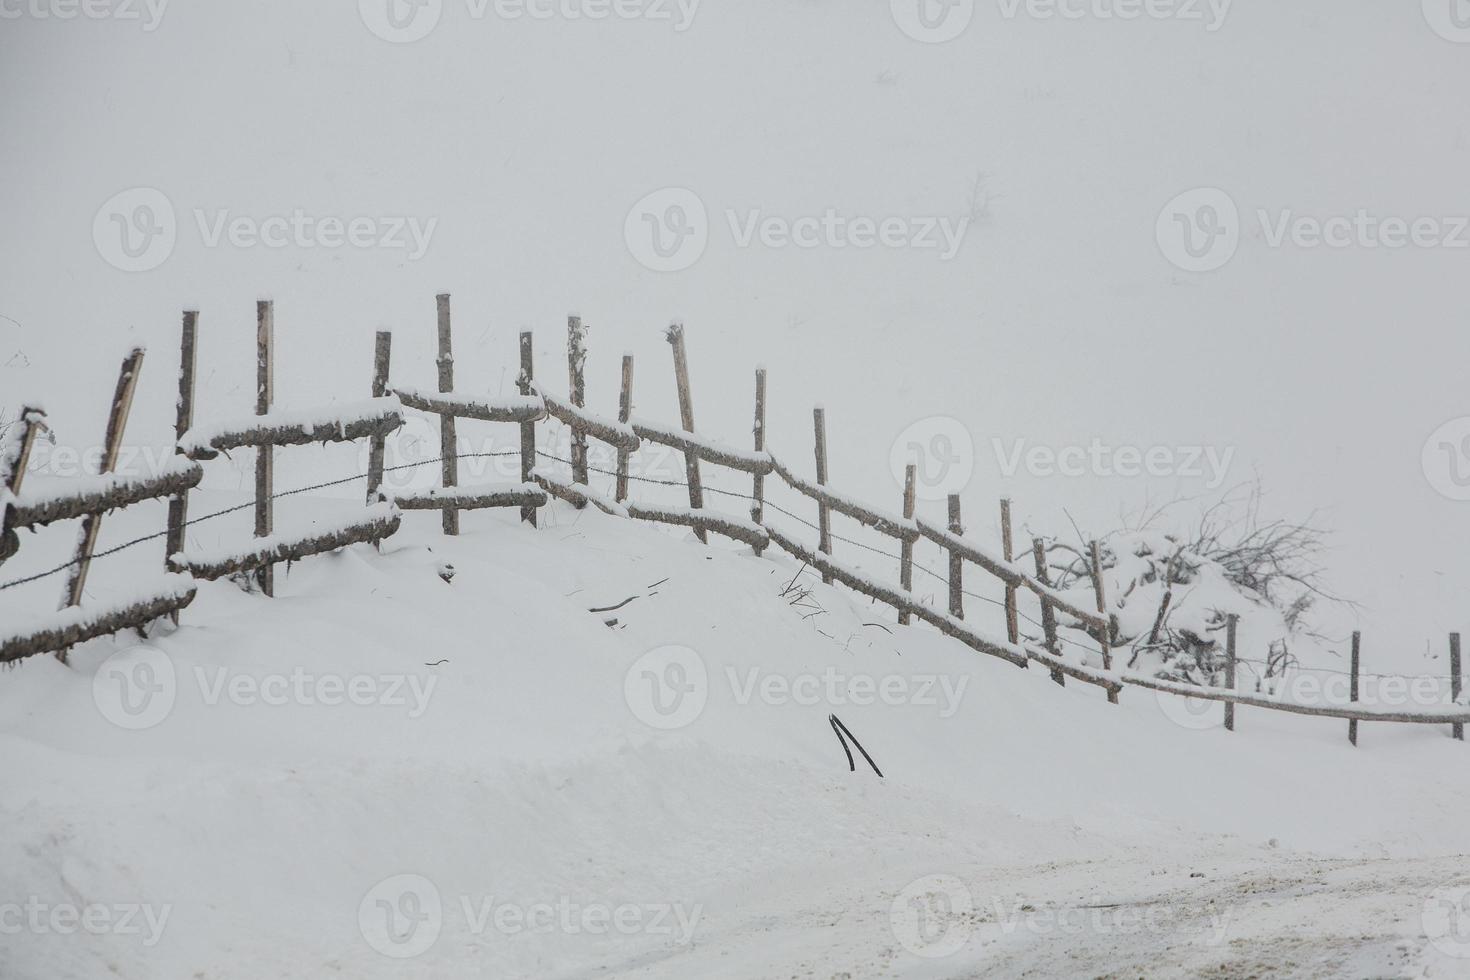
448, 438
382, 352
906, 549
1013, 620
1353, 686
1458, 729
1048, 614
1104, 635
625, 412
956, 562
577, 388
117, 422
265, 470
528, 429
686, 414
1230, 622
758, 489
824, 513
15, 470
178, 506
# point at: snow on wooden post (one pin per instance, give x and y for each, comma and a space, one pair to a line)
1013, 621
178, 507
577, 386
906, 547
758, 488
1048, 614
1458, 729
382, 353
824, 513
528, 429
265, 386
1230, 622
625, 412
14, 466
117, 422
956, 561
1104, 635
675, 336
448, 441
1353, 686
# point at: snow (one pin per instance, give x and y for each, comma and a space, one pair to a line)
80, 489
501, 408
280, 543
515, 772
705, 447
161, 588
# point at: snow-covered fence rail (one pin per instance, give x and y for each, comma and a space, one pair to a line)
87, 499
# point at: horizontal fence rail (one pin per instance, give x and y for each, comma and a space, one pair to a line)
376, 418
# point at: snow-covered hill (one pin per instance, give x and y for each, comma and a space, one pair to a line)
482, 773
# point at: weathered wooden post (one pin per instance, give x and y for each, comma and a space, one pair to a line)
1013, 620
1104, 635
448, 438
382, 352
758, 489
824, 513
625, 412
528, 429
675, 337
1458, 729
18, 461
577, 386
178, 507
906, 548
956, 562
1353, 686
117, 422
265, 388
1230, 623
1048, 614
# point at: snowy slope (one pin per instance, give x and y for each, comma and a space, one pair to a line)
502, 746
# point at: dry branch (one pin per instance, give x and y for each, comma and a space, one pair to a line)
472, 497
374, 418
745, 531
706, 449
880, 521
579, 420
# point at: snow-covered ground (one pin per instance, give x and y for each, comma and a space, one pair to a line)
380, 773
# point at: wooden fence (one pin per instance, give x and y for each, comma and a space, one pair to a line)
377, 417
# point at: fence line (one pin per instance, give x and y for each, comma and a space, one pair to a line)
89, 498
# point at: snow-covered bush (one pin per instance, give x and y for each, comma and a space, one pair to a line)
1173, 589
